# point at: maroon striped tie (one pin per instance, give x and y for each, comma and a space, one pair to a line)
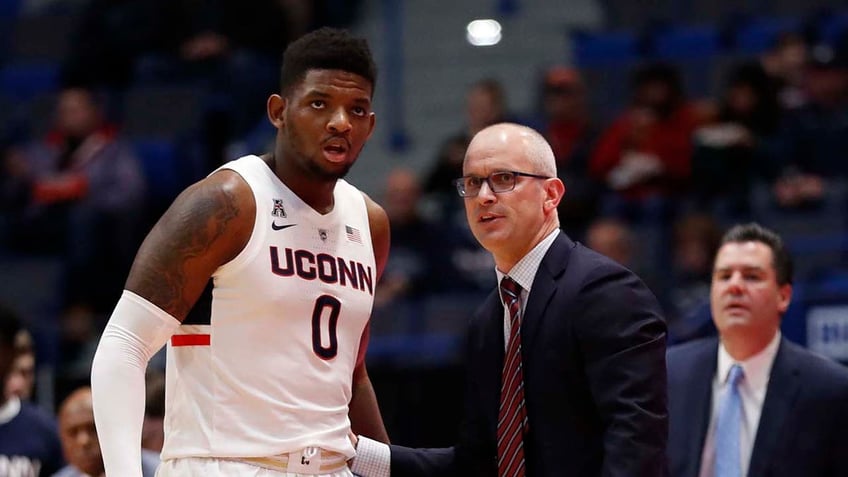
512, 417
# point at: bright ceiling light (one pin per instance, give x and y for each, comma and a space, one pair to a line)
483, 32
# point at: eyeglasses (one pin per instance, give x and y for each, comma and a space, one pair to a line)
502, 181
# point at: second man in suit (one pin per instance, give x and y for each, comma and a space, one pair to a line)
752, 403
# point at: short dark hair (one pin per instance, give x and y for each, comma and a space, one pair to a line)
754, 232
327, 49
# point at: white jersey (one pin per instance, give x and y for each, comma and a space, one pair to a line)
271, 371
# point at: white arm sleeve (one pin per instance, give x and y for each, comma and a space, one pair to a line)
136, 330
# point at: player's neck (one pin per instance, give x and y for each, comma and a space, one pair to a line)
318, 193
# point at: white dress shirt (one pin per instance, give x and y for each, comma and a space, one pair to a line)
752, 391
523, 273
373, 458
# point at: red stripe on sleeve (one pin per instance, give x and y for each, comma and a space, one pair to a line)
190, 340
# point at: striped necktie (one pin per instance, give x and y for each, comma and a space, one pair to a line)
727, 459
512, 417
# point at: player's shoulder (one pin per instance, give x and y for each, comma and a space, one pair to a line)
224, 184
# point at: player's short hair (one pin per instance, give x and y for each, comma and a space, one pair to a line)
327, 49
753, 232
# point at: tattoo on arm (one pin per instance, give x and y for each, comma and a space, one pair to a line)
177, 259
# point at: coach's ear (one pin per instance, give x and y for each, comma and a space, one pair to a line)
276, 110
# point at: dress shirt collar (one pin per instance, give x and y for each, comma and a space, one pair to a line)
524, 272
757, 368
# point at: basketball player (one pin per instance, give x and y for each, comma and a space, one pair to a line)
273, 380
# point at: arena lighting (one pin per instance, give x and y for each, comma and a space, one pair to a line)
483, 32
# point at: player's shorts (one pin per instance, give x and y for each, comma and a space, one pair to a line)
307, 463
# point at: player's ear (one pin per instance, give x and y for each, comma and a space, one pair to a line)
276, 108
372, 121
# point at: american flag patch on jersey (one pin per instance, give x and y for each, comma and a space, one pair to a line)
353, 234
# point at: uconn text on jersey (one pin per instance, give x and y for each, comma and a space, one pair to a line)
323, 266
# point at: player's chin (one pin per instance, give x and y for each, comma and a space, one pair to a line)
329, 171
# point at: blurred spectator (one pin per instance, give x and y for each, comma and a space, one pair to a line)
613, 238
21, 380
29, 442
78, 194
565, 122
696, 239
153, 427
229, 51
645, 155
617, 240
816, 135
80, 444
485, 104
111, 35
741, 147
416, 263
785, 63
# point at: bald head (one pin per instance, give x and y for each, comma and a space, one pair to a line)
510, 222
78, 434
76, 401
536, 149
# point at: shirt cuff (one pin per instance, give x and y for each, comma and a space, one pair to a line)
373, 459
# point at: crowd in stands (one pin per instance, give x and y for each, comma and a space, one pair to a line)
655, 186
652, 188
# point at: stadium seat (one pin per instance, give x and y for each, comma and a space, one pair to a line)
694, 49
162, 111
159, 162
604, 48
26, 80
759, 34
687, 43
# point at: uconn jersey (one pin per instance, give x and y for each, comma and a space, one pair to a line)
272, 370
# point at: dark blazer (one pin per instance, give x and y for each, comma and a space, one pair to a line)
803, 430
593, 343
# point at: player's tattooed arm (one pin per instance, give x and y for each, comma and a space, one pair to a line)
205, 227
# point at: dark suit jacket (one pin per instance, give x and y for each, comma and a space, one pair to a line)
593, 345
803, 430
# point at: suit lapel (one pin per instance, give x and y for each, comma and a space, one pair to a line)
544, 285
781, 393
492, 352
699, 393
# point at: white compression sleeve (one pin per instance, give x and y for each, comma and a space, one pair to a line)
136, 330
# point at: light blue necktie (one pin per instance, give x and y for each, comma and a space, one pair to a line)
727, 459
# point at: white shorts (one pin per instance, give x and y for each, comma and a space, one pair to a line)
212, 467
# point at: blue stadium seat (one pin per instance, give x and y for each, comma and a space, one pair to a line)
694, 49
759, 34
10, 8
164, 111
604, 48
687, 43
159, 162
23, 81
833, 27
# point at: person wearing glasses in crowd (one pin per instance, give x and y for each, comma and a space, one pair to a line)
566, 362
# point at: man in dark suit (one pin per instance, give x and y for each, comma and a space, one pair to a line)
566, 368
787, 413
